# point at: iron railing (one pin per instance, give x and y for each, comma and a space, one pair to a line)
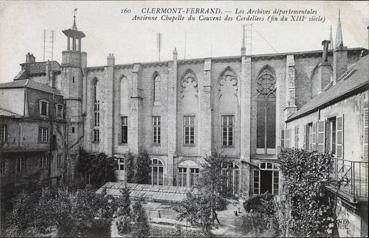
350, 178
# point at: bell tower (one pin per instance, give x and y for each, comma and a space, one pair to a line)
74, 63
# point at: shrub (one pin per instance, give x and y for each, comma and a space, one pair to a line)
306, 174
142, 169
140, 226
263, 203
124, 203
123, 224
220, 203
96, 168
129, 160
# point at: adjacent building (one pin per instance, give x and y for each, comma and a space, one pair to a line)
335, 121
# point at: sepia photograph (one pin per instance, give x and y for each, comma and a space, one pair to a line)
184, 118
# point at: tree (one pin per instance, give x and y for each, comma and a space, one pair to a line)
129, 166
212, 178
124, 212
96, 168
142, 168
141, 228
22, 217
196, 209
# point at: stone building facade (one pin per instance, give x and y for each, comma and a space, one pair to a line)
32, 134
180, 111
336, 121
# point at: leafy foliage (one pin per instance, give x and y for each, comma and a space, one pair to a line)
124, 212
129, 161
261, 215
262, 203
96, 168
124, 224
142, 169
212, 179
196, 209
73, 214
306, 174
141, 226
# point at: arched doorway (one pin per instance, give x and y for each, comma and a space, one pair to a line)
266, 178
157, 172
232, 178
188, 173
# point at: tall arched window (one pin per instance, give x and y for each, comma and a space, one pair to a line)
157, 172
124, 96
266, 112
124, 111
157, 87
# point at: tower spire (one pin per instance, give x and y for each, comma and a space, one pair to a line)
74, 27
339, 40
330, 38
243, 47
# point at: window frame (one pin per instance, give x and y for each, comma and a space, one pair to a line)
95, 135
257, 173
156, 130
47, 107
43, 135
3, 133
189, 144
123, 128
228, 127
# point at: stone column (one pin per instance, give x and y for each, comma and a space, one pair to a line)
245, 104
133, 118
108, 106
172, 116
290, 88
205, 111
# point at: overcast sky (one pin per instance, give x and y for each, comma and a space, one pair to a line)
108, 31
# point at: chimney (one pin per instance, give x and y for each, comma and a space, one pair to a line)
30, 58
111, 59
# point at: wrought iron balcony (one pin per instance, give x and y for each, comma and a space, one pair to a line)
349, 179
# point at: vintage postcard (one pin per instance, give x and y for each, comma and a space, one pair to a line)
184, 118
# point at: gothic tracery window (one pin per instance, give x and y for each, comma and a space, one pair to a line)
266, 112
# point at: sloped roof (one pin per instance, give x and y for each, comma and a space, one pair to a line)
36, 68
150, 192
354, 78
8, 113
28, 83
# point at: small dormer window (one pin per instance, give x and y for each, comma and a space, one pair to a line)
44, 108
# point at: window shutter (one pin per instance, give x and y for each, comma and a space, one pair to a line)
304, 138
365, 139
339, 136
321, 136
313, 141
39, 135
282, 138
288, 136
